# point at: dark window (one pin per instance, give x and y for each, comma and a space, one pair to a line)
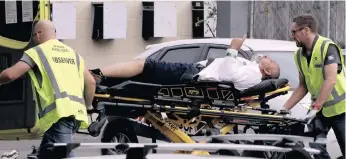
218, 52
182, 55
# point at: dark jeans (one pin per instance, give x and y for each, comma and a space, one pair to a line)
160, 72
60, 132
321, 126
157, 72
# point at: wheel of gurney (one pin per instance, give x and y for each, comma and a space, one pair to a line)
118, 131
295, 154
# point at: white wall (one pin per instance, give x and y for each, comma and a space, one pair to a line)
101, 53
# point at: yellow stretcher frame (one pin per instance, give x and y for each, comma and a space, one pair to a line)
42, 14
176, 135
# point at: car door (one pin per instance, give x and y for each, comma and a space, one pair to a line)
218, 51
189, 53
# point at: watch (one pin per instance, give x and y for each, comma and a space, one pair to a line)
316, 106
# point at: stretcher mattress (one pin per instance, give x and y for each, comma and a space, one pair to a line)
149, 90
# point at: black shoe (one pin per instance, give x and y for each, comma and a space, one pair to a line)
33, 154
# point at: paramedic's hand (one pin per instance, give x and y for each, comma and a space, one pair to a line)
236, 43
308, 118
284, 110
311, 115
90, 109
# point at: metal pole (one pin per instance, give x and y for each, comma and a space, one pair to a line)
328, 20
251, 18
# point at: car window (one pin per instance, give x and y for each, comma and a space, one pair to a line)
217, 53
182, 55
288, 67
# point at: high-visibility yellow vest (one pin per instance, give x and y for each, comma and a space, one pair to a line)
60, 93
314, 75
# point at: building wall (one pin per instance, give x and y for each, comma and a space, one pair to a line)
106, 52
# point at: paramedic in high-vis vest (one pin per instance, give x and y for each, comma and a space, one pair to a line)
64, 88
322, 74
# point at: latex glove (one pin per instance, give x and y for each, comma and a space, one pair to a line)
311, 115
308, 118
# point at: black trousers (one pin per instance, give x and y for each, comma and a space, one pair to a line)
158, 72
321, 127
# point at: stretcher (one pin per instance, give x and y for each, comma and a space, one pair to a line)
141, 151
196, 108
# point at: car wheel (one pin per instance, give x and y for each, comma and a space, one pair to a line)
118, 131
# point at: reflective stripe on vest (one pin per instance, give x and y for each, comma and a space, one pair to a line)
57, 93
337, 98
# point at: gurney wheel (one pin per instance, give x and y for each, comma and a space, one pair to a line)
116, 129
301, 154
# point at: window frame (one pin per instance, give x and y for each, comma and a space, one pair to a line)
183, 46
205, 52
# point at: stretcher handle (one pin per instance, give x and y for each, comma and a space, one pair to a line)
101, 89
281, 112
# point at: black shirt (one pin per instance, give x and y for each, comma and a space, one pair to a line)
332, 55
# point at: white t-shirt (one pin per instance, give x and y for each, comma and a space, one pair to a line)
241, 72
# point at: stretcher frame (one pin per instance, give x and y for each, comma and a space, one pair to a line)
155, 113
141, 151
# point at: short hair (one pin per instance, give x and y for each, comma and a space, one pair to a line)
306, 20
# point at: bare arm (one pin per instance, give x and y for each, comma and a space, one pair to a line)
328, 84
297, 95
332, 66
14, 72
89, 88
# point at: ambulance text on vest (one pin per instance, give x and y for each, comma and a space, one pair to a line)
63, 60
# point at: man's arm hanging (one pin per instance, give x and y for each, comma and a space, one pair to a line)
332, 67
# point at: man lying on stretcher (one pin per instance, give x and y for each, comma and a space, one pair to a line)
241, 72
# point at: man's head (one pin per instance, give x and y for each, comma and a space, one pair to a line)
269, 68
44, 30
303, 29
